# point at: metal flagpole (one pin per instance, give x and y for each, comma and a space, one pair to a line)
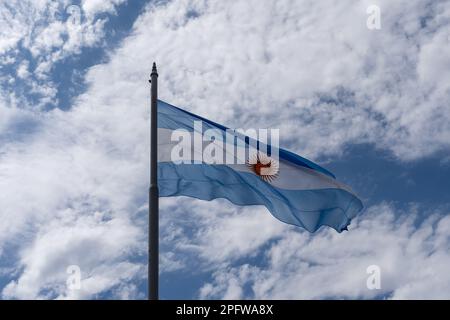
153, 237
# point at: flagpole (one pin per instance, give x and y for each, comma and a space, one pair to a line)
153, 237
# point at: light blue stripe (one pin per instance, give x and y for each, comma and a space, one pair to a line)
172, 117
309, 209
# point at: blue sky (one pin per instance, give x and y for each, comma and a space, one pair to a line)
369, 105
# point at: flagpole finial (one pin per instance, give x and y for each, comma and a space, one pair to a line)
154, 71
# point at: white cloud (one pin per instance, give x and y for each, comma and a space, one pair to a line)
50, 31
95, 245
56, 180
413, 262
22, 71
92, 7
220, 230
291, 263
241, 62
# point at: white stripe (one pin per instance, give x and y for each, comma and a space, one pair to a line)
290, 176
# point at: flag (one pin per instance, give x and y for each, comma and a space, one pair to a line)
205, 160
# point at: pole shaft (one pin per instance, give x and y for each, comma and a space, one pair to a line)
153, 264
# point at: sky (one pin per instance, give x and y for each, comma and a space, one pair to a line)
369, 104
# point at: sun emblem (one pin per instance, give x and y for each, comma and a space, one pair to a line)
264, 166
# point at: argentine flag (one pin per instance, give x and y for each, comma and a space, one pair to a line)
294, 190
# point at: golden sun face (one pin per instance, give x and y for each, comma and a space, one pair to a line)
264, 166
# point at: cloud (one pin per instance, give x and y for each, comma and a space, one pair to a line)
251, 255
299, 265
23, 72
80, 177
215, 232
240, 62
92, 7
49, 31
94, 243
